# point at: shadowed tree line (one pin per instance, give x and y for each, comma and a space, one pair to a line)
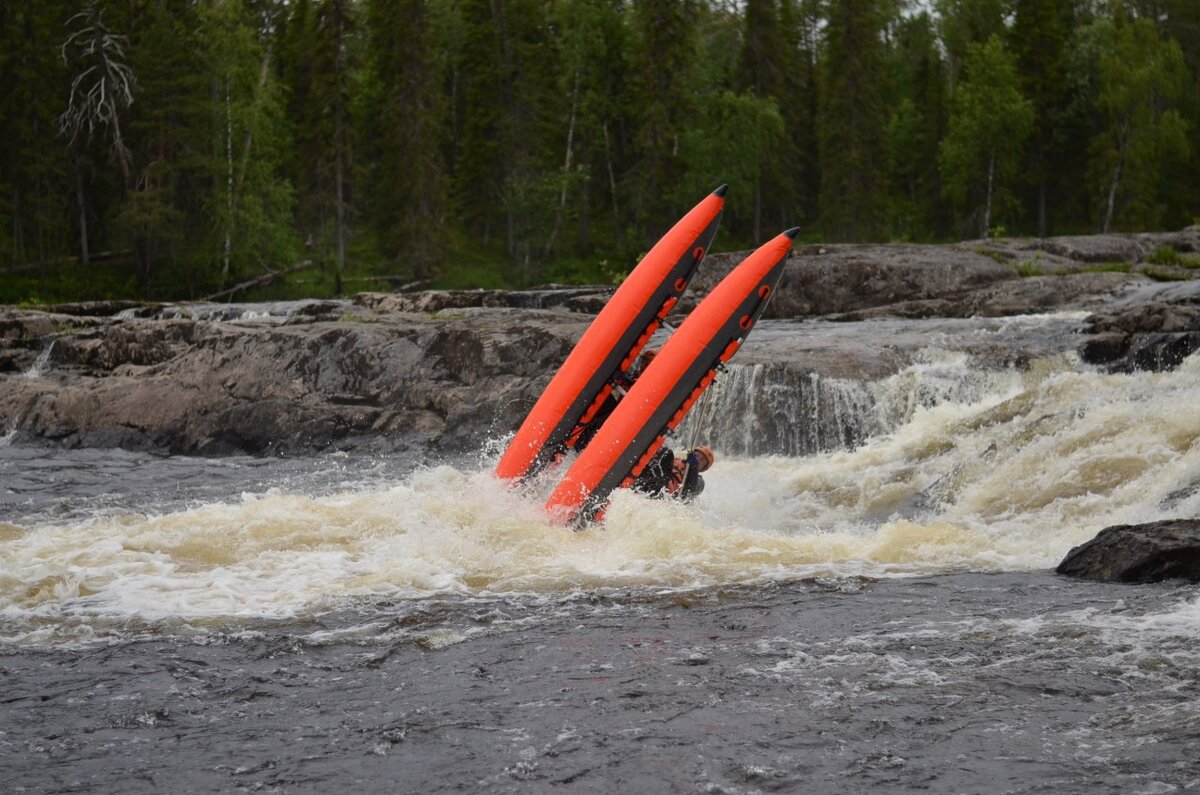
181, 148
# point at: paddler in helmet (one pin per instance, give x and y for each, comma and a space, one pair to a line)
678, 478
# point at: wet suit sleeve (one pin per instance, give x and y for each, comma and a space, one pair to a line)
657, 475
692, 486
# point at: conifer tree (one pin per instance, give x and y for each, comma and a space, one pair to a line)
988, 127
1038, 41
967, 22
852, 124
801, 22
664, 35
163, 218
765, 63
33, 171
408, 183
298, 72
593, 42
332, 89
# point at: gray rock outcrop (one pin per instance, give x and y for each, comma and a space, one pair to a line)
447, 370
1138, 553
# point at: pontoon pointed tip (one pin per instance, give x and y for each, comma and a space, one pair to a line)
791, 233
721, 191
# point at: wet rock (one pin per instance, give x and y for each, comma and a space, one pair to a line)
1031, 295
1155, 336
1138, 553
574, 299
379, 381
830, 279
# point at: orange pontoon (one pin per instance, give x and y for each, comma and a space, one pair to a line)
670, 385
612, 342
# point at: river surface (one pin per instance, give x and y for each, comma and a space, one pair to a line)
881, 618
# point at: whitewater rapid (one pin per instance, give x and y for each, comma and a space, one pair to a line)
1006, 475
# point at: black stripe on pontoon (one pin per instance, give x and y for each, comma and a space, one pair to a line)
685, 269
707, 360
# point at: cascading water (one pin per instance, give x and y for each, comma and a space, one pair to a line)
759, 409
940, 467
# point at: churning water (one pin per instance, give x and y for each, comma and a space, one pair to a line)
870, 611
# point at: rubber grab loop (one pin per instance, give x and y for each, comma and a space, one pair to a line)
698, 253
745, 322
680, 284
764, 291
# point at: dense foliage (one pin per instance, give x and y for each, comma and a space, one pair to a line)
180, 148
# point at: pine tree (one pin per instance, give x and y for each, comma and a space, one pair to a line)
33, 163
332, 89
852, 124
988, 128
664, 35
801, 22
409, 182
764, 64
593, 44
1038, 41
298, 72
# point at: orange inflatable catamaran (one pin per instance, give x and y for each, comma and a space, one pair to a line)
670, 385
612, 342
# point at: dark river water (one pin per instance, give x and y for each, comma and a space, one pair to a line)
879, 619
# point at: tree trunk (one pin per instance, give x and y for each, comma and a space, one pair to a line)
248, 141
612, 186
16, 249
1112, 194
758, 211
339, 179
562, 197
987, 204
1042, 207
83, 228
225, 256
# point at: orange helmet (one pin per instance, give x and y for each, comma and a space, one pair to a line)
648, 356
704, 457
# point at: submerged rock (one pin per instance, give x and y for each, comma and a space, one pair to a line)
1138, 553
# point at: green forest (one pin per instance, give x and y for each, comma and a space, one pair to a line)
182, 149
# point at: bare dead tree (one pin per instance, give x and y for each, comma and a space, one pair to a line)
103, 85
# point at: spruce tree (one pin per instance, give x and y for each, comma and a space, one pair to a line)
1038, 41
408, 181
852, 124
765, 63
34, 181
664, 35
801, 22
332, 88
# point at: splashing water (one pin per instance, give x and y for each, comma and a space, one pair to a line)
41, 364
1005, 475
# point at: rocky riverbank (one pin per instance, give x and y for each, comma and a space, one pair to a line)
447, 370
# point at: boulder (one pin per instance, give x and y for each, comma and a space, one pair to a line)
1138, 553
